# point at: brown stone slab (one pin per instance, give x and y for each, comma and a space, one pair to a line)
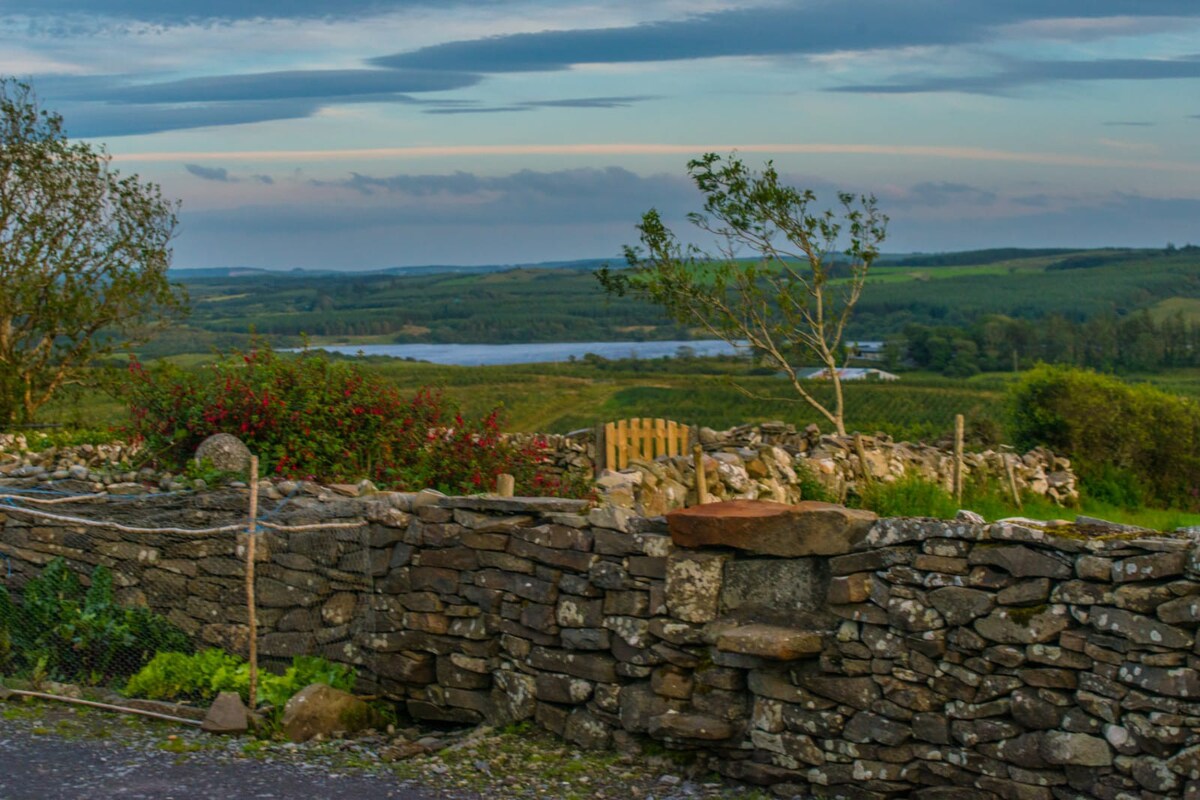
808, 528
770, 641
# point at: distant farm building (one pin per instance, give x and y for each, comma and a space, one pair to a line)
866, 351
852, 374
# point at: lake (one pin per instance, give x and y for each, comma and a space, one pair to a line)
474, 355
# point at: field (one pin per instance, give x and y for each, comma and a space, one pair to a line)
537, 304
557, 398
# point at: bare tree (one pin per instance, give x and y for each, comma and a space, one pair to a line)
791, 299
83, 255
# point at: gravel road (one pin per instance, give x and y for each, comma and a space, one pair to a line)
51, 751
49, 767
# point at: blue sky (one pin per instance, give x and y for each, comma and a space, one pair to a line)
372, 133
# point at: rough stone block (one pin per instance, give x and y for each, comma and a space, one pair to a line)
694, 585
770, 641
689, 726
775, 585
806, 529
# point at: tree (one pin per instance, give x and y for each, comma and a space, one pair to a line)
83, 255
792, 299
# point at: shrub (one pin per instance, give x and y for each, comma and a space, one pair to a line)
80, 635
1130, 443
311, 416
200, 676
180, 676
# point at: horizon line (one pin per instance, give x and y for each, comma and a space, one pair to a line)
645, 149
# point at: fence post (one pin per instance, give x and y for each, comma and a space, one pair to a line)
505, 485
252, 616
958, 458
1012, 481
863, 464
701, 478
598, 465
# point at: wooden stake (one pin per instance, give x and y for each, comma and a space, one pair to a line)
505, 484
252, 616
701, 479
1012, 481
958, 457
863, 464
105, 706
599, 448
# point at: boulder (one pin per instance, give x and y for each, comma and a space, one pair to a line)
318, 709
808, 528
227, 714
225, 452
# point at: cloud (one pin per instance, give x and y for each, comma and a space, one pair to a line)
1116, 219
112, 106
96, 120
816, 27
598, 194
293, 84
191, 11
222, 175
944, 193
1032, 200
531, 105
1129, 124
346, 236
590, 102
939, 152
1025, 73
219, 174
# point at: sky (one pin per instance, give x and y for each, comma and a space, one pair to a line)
366, 134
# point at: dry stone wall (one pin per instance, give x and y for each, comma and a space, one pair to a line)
772, 460
813, 649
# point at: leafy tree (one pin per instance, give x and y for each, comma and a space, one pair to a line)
1131, 441
791, 299
83, 255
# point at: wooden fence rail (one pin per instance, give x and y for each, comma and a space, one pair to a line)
643, 438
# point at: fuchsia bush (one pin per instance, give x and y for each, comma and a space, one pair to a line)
313, 417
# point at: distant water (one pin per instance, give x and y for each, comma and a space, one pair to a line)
474, 355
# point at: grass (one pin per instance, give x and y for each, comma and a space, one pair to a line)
916, 497
557, 398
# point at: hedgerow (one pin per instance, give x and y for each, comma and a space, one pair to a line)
309, 416
1131, 444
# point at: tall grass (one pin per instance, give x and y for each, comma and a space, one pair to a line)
913, 496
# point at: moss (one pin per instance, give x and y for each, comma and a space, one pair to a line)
1022, 616
357, 716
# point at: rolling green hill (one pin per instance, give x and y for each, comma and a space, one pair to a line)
564, 303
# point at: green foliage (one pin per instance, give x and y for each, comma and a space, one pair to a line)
809, 485
787, 304
1115, 486
909, 496
38, 441
182, 676
201, 676
83, 256
80, 635
313, 416
274, 690
1127, 441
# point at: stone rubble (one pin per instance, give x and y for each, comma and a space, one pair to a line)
771, 461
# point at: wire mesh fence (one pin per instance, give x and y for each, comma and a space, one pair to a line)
173, 596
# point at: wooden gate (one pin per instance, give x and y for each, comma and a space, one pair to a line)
642, 438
